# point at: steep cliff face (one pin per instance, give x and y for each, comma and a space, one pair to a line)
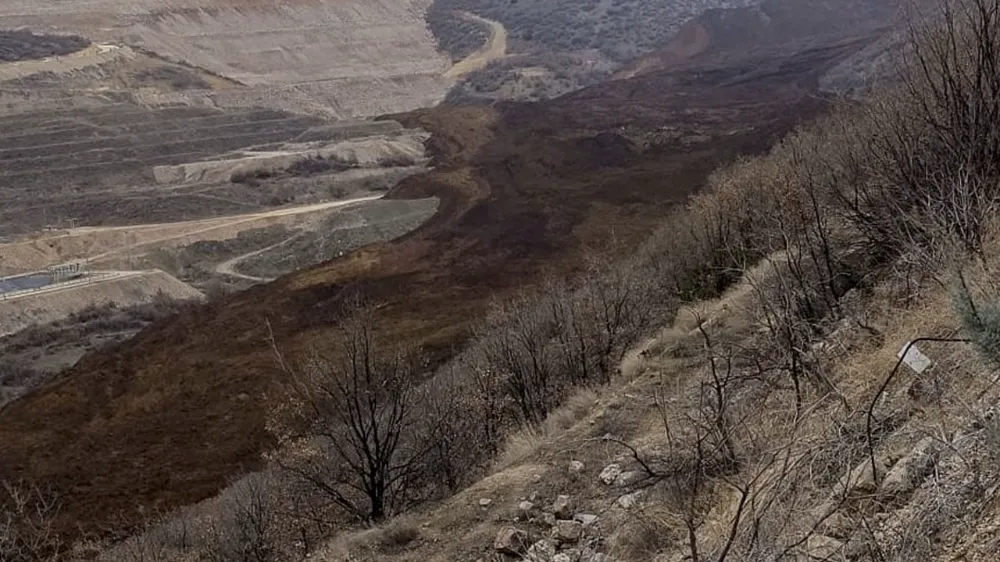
309, 55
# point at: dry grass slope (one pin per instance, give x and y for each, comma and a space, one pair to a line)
525, 190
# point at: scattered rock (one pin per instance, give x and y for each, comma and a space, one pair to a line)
561, 508
610, 473
525, 508
549, 519
627, 478
859, 480
485, 502
564, 557
910, 470
567, 532
838, 525
542, 551
586, 519
576, 467
512, 541
820, 547
628, 501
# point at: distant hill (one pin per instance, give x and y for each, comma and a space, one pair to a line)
774, 23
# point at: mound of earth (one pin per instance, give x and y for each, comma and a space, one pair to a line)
366, 152
525, 190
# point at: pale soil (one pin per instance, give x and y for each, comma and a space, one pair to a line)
494, 49
93, 55
338, 58
107, 244
124, 288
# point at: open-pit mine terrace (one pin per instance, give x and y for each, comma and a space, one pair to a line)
339, 58
123, 187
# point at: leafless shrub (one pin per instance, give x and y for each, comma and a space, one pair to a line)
928, 165
143, 546
245, 528
515, 341
27, 515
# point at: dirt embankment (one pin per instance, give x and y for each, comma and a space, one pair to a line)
526, 190
125, 289
103, 244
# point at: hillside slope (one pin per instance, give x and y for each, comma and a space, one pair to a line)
772, 24
525, 189
342, 58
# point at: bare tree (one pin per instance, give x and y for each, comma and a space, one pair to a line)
352, 409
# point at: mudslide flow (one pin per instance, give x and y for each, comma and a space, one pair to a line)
494, 49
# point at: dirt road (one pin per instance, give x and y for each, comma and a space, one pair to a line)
106, 243
494, 49
228, 267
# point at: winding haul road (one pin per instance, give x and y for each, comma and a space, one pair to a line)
494, 49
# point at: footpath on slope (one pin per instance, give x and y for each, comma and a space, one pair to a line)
228, 267
494, 49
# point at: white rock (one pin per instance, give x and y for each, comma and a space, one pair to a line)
628, 478
859, 480
567, 532
576, 467
511, 540
628, 501
485, 502
821, 547
610, 473
562, 507
525, 507
542, 551
586, 519
910, 470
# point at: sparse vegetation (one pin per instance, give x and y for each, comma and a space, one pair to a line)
177, 77
759, 450
28, 354
18, 45
456, 35
27, 513
620, 30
